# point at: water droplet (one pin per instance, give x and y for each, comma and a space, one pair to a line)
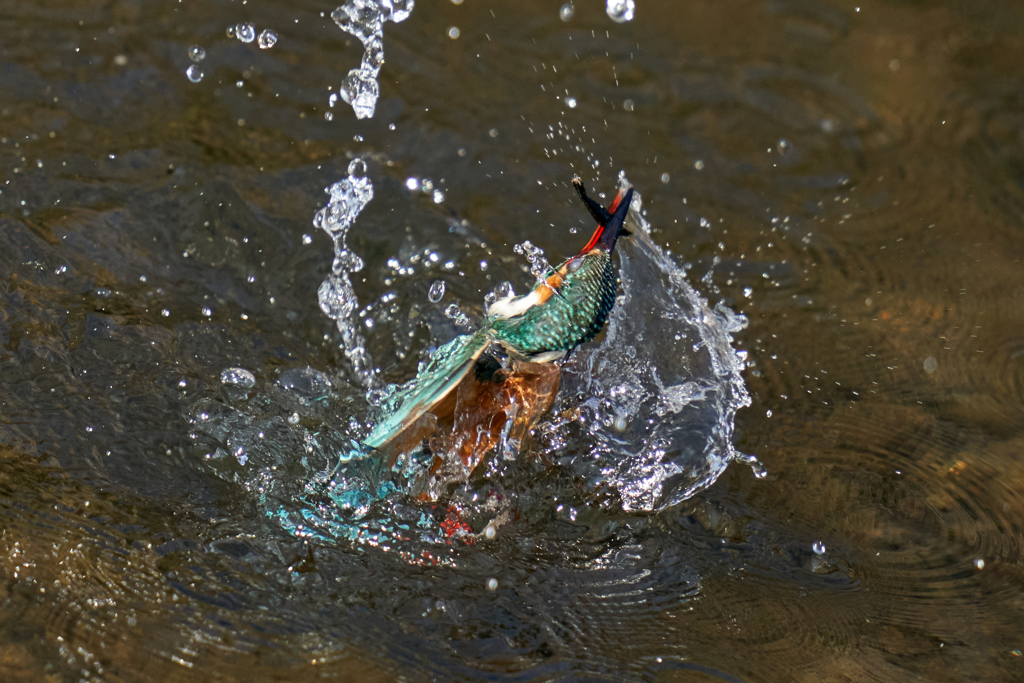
438, 196
357, 168
539, 265
492, 584
412, 183
930, 364
452, 311
230, 31
336, 296
566, 11
818, 547
627, 105
748, 292
665, 177
490, 532
699, 165
267, 39
620, 423
493, 132
361, 90
620, 11
782, 146
207, 312
245, 32
293, 419
400, 10
570, 102
237, 377
165, 313
436, 291
453, 32
328, 116
307, 239
239, 83
196, 53
979, 563
456, 2
194, 73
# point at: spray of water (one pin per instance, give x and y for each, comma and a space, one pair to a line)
661, 391
364, 19
337, 298
643, 419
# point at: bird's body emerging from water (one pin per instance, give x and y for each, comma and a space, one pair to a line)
568, 307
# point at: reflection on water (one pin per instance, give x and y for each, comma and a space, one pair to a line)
845, 178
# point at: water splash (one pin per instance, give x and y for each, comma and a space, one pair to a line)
662, 389
365, 19
641, 421
337, 298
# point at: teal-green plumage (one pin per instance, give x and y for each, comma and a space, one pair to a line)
446, 368
572, 316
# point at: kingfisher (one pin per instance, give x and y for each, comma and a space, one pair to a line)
568, 306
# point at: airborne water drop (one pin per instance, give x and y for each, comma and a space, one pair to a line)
620, 11
245, 32
267, 39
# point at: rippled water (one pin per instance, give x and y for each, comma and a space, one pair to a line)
847, 177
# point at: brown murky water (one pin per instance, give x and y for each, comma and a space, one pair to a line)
850, 176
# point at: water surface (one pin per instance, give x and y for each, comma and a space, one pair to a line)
847, 176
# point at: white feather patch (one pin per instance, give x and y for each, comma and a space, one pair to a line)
511, 306
548, 356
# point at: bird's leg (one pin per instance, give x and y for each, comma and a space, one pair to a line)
599, 213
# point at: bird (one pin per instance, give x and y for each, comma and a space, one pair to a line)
568, 306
